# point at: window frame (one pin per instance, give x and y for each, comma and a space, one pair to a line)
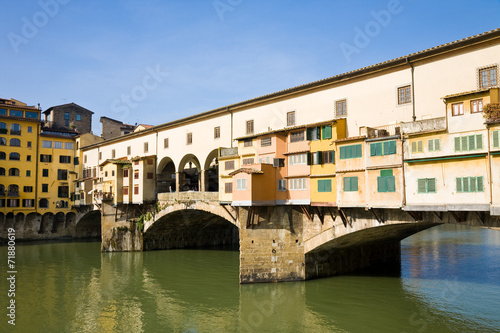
404, 94
341, 107
290, 118
460, 111
249, 126
491, 80
479, 102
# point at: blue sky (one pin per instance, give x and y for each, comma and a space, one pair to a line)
156, 61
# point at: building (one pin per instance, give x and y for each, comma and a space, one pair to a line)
69, 116
112, 128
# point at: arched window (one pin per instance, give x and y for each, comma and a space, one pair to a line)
3, 128
44, 203
3, 142
14, 157
15, 142
2, 155
13, 172
2, 172
2, 190
15, 129
13, 191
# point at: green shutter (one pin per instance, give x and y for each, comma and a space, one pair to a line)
431, 185
496, 139
320, 157
343, 153
358, 151
421, 185
309, 134
346, 183
318, 133
381, 184
479, 141
430, 145
459, 184
309, 158
321, 186
392, 147
465, 140
348, 152
414, 147
472, 145
327, 132
391, 184
328, 185
373, 149
354, 183
473, 187
332, 156
457, 144
465, 184
437, 144
480, 184
380, 151
420, 146
386, 148
386, 173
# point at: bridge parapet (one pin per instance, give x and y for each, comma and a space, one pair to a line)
189, 195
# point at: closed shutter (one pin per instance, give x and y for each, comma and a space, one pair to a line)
358, 151
431, 185
309, 158
321, 186
392, 147
414, 147
391, 184
420, 146
457, 144
327, 132
343, 153
473, 185
459, 184
472, 145
328, 185
354, 183
346, 184
496, 139
437, 144
373, 149
479, 141
320, 157
386, 173
430, 145
381, 184
465, 184
421, 185
480, 184
308, 134
464, 143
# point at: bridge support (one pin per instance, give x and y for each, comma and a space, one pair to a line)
118, 233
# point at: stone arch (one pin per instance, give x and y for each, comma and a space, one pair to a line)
190, 228
2, 221
211, 171
70, 219
189, 173
58, 225
166, 175
46, 223
32, 224
9, 221
20, 220
89, 225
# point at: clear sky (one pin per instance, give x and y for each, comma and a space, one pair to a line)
156, 61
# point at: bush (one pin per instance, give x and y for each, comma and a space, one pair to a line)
491, 111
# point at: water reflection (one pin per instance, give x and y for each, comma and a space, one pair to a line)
450, 282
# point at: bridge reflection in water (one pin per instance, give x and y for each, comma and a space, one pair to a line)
449, 282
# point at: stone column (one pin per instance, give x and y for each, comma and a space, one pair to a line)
202, 181
177, 184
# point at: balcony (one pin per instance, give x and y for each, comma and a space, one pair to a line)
381, 131
422, 126
13, 194
14, 132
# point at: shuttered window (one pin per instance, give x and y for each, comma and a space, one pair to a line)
326, 132
353, 151
434, 144
417, 147
241, 184
386, 182
383, 148
469, 142
313, 133
350, 184
470, 184
426, 185
496, 139
324, 185
228, 188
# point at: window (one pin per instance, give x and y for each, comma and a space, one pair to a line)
241, 184
28, 202
350, 184
249, 127
324, 185
496, 139
229, 165
125, 173
265, 142
14, 172
78, 117
43, 203
62, 174
457, 109
488, 77
45, 187
297, 159
16, 113
13, 203
66, 115
28, 189
3, 127
297, 136
290, 118
28, 173
112, 173
150, 175
15, 143
217, 132
125, 190
278, 162
247, 142
417, 146
129, 150
14, 157
58, 145
13, 191
434, 144
46, 144
313, 133
298, 184
189, 139
328, 156
100, 155
261, 160
476, 106
136, 162
64, 159
136, 174
45, 172
2, 171
76, 160
113, 153
63, 191
30, 129
341, 108
426, 185
469, 184
84, 158
383, 148
15, 129
136, 189
150, 161
469, 142
68, 145
146, 147
2, 155
247, 161
386, 182
3, 142
228, 188
165, 143
326, 132
3, 112
29, 144
281, 184
404, 95
353, 151
45, 158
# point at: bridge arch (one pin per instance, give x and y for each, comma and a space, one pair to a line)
89, 225
166, 175
189, 173
191, 226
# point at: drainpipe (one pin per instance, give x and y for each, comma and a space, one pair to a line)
37, 157
489, 164
414, 117
403, 168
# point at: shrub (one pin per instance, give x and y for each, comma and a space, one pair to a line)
491, 111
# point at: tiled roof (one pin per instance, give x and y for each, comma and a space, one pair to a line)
467, 93
352, 138
246, 170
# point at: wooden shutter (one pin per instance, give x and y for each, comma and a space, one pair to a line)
346, 183
464, 143
472, 145
480, 184
381, 184
431, 185
496, 139
308, 134
379, 149
421, 185
309, 158
386, 173
459, 184
420, 146
465, 184
319, 157
328, 185
318, 133
437, 144
473, 187
457, 144
327, 132
479, 141
358, 151
343, 153
391, 184
354, 183
414, 147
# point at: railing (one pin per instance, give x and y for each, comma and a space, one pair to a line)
13, 194
189, 195
13, 132
387, 130
228, 151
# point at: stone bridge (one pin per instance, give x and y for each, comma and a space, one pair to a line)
281, 243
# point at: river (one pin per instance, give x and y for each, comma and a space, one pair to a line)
449, 282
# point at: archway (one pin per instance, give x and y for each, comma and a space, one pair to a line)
9, 221
191, 228
58, 225
189, 173
19, 224
165, 181
70, 219
46, 224
89, 225
32, 224
212, 171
